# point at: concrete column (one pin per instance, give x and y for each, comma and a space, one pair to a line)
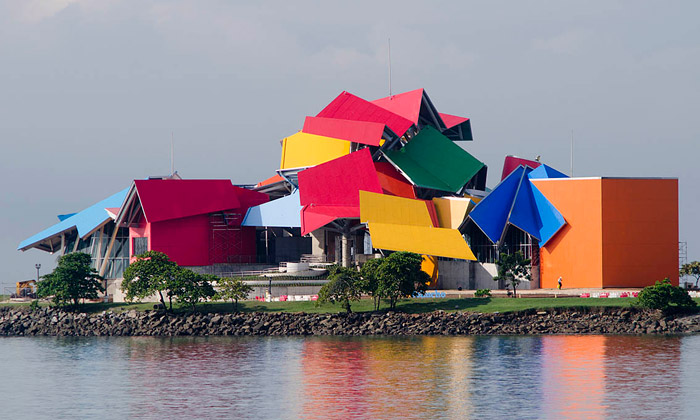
318, 242
346, 248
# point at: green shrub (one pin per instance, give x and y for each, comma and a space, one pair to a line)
482, 293
343, 286
664, 296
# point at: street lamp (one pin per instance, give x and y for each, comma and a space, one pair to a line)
37, 266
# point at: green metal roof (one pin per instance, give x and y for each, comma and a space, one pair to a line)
431, 160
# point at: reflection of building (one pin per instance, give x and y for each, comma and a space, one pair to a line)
369, 177
600, 377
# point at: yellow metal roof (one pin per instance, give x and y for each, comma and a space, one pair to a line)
382, 208
421, 240
303, 149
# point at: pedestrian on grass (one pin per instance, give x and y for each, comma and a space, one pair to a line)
559, 283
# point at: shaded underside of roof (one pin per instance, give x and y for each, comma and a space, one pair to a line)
283, 212
430, 160
458, 128
415, 106
363, 132
85, 222
347, 106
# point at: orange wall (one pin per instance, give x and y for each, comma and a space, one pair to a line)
619, 232
575, 253
640, 231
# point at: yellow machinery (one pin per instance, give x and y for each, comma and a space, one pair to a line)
25, 288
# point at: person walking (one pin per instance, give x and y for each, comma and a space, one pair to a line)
559, 283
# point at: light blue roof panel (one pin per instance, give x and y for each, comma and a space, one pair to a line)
543, 172
283, 212
84, 221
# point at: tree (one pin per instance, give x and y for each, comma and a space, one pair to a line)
151, 273
343, 286
691, 269
72, 280
233, 289
513, 268
664, 296
369, 282
190, 287
400, 275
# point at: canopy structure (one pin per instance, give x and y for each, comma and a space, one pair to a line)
516, 202
331, 190
431, 160
362, 132
283, 212
403, 224
440, 242
85, 222
347, 106
303, 149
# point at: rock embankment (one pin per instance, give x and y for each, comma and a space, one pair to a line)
54, 322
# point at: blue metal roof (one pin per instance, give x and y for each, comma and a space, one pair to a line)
283, 212
85, 221
518, 202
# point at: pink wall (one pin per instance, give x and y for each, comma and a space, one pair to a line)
186, 240
189, 241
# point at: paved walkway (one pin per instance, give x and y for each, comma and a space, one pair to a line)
543, 292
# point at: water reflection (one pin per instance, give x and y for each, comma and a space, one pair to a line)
555, 377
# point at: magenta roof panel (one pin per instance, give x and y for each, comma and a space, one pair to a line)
347, 106
363, 132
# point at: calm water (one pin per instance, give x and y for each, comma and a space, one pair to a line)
366, 378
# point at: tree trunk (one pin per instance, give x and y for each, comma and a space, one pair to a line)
346, 305
162, 300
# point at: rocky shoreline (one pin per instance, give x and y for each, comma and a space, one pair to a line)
55, 322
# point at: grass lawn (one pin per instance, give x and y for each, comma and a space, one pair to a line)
365, 305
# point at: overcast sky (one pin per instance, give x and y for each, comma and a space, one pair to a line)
90, 90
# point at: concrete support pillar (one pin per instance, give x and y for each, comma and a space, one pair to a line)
318, 242
346, 248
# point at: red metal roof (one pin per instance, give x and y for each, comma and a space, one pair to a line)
363, 132
174, 199
452, 120
270, 180
406, 104
314, 217
511, 163
347, 106
392, 181
338, 182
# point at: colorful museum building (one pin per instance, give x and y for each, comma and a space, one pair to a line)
364, 178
